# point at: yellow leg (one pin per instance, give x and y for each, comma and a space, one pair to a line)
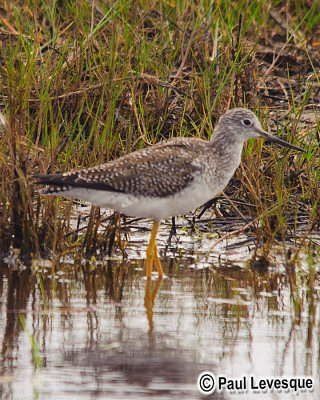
157, 262
152, 252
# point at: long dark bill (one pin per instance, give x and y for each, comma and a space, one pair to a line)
272, 138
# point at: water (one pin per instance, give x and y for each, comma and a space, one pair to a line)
99, 331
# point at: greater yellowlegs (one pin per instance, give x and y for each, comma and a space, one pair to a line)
166, 179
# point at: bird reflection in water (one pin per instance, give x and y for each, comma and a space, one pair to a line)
149, 298
116, 278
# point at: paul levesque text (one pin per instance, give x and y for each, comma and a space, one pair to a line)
253, 384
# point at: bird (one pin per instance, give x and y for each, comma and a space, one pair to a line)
166, 179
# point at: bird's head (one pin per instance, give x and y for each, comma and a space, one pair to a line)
243, 124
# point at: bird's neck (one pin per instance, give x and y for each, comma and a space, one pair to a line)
226, 144
227, 150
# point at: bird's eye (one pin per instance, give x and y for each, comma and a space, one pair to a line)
246, 122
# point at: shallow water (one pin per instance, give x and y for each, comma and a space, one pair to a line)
101, 331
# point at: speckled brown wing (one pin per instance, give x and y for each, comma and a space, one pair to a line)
157, 171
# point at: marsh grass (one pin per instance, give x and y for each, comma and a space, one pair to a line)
33, 342
85, 82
